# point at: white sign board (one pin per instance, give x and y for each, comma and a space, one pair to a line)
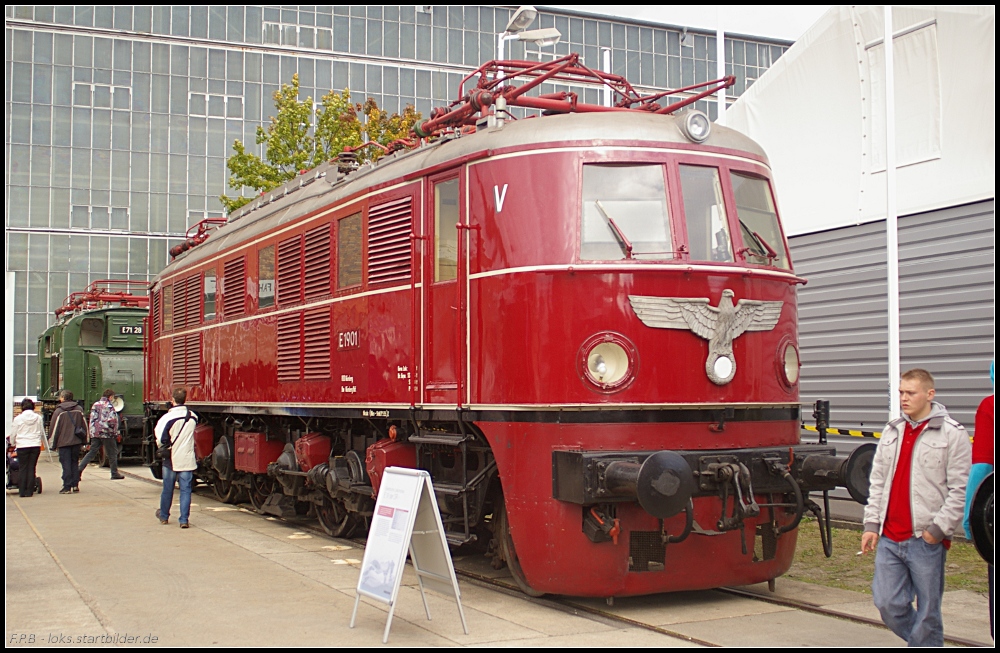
406, 519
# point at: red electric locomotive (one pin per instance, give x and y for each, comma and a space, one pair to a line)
582, 324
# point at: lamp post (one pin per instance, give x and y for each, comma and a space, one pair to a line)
515, 31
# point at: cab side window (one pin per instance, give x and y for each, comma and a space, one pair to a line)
625, 213
265, 277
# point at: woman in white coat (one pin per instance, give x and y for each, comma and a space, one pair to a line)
26, 435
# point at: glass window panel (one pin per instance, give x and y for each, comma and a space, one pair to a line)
446, 216
20, 164
102, 96
160, 93
118, 257
38, 250
159, 133
158, 172
41, 165
62, 85
234, 107
39, 210
705, 215
81, 168
83, 95
209, 292
140, 131
625, 206
217, 23
177, 214
20, 82
265, 277
61, 166
119, 219
17, 196
59, 254
252, 25
17, 257
100, 174
762, 239
121, 97
349, 252
119, 170
138, 257
43, 48
81, 127
178, 174
407, 41
21, 45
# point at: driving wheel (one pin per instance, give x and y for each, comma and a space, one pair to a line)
225, 490
261, 488
335, 519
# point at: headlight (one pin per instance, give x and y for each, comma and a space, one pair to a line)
697, 126
607, 361
790, 364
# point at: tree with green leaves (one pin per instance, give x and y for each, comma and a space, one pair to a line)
292, 142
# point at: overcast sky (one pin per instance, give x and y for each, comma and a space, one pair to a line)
774, 21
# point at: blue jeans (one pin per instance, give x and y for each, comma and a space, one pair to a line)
904, 571
167, 495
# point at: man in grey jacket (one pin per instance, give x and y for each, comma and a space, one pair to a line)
915, 503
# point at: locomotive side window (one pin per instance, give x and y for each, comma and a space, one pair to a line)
92, 332
625, 213
210, 284
168, 307
762, 239
349, 251
705, 214
265, 277
445, 234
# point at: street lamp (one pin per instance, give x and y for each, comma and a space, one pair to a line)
522, 18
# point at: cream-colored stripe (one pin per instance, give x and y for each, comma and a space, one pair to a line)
617, 267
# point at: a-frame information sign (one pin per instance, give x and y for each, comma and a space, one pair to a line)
406, 519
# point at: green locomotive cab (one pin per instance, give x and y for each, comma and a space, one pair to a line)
95, 344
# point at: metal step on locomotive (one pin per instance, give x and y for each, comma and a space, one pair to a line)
582, 323
95, 344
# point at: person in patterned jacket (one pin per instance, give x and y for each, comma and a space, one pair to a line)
104, 433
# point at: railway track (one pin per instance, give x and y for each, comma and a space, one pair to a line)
574, 606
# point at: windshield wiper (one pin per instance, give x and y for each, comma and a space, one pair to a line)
764, 249
623, 241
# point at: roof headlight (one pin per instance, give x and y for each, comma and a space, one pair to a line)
697, 126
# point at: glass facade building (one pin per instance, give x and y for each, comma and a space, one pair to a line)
119, 119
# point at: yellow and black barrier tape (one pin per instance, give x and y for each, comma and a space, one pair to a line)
852, 432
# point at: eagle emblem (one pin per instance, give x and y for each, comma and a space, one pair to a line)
719, 325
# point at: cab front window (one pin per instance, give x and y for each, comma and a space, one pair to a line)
705, 215
762, 241
625, 213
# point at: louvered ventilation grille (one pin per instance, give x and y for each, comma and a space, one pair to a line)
317, 263
389, 228
316, 345
289, 347
93, 378
186, 360
192, 359
177, 361
233, 300
157, 322
290, 271
191, 299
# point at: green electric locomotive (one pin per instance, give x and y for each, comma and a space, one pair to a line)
96, 343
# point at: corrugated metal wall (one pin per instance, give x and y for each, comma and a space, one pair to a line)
947, 319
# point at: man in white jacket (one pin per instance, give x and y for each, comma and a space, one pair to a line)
26, 435
176, 430
915, 503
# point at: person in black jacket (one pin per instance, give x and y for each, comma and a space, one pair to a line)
68, 432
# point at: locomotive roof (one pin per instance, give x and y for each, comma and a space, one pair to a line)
325, 185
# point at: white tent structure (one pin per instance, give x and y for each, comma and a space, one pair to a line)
820, 114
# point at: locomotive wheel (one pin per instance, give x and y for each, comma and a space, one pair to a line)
261, 488
225, 490
335, 519
501, 532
